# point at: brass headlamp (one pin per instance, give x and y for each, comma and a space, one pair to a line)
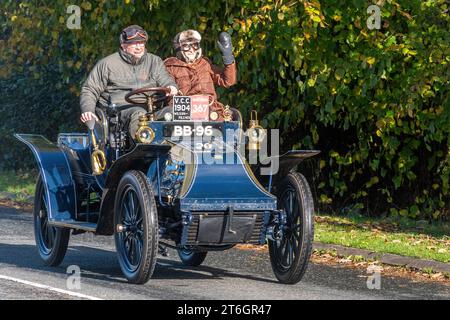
144, 134
255, 132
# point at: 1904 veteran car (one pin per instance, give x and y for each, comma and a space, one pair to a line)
182, 182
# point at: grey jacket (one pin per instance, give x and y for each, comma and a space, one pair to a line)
117, 74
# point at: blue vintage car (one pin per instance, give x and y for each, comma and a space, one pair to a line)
180, 183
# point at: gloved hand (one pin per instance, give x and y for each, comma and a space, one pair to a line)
226, 48
173, 90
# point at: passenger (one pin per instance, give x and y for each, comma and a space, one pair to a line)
130, 68
195, 74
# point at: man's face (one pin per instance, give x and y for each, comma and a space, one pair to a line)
190, 49
136, 49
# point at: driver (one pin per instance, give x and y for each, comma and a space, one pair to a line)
130, 68
195, 74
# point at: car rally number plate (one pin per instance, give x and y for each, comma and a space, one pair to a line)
191, 108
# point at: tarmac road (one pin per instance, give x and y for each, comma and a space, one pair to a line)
228, 275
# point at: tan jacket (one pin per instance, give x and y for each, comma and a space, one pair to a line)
200, 78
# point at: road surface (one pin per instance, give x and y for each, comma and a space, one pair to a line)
228, 275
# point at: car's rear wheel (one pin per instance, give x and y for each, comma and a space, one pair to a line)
192, 258
136, 227
290, 255
52, 242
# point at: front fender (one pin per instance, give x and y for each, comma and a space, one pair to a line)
56, 174
275, 168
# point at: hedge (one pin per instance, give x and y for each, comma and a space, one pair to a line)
376, 102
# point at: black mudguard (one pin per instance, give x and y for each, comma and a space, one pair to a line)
56, 174
277, 167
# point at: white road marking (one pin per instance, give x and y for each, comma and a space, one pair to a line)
42, 286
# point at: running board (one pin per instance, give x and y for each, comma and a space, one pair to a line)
77, 225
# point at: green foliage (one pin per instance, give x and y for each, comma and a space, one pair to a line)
376, 102
18, 185
401, 236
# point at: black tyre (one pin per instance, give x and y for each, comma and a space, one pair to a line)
290, 255
190, 257
51, 241
136, 227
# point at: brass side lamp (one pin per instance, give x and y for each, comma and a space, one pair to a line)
256, 133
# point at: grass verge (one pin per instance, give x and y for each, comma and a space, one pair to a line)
404, 237
18, 186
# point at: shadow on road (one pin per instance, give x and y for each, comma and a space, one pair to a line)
177, 270
102, 265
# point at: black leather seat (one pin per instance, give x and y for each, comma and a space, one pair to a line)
101, 128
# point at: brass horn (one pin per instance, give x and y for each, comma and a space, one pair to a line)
98, 158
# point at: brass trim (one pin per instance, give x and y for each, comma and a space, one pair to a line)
144, 127
98, 158
254, 143
227, 114
214, 115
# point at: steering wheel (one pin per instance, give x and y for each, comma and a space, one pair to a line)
144, 101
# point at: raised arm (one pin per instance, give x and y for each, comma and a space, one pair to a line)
225, 77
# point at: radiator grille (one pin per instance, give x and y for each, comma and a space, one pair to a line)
190, 232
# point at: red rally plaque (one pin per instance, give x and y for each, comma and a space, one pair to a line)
200, 108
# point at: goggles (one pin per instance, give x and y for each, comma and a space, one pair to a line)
133, 34
188, 45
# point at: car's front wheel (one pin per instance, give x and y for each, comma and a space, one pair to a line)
290, 254
52, 242
136, 227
